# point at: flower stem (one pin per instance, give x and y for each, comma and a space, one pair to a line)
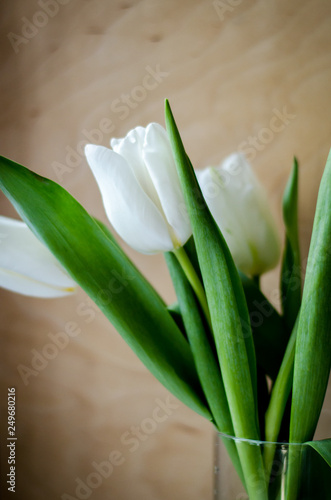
194, 281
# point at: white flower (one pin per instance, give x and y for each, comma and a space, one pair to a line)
27, 266
240, 207
140, 189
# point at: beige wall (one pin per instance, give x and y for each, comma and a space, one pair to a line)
226, 75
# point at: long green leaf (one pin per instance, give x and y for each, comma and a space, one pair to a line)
312, 360
313, 346
204, 356
291, 265
206, 363
107, 275
228, 310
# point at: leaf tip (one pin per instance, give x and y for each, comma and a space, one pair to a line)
295, 164
167, 111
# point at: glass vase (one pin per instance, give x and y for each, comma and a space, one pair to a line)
281, 471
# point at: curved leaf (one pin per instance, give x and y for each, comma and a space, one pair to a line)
313, 346
102, 269
323, 447
229, 315
312, 359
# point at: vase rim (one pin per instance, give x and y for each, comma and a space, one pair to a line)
258, 442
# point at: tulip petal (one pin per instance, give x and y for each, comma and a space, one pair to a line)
131, 212
240, 207
224, 210
159, 162
27, 266
260, 228
131, 149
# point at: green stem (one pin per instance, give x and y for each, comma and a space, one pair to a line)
194, 281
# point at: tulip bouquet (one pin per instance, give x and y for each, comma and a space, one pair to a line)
222, 348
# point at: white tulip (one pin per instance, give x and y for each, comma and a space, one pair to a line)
140, 189
27, 266
240, 207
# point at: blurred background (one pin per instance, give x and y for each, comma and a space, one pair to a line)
75, 71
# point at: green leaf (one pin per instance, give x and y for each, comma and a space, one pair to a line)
315, 474
106, 231
214, 259
204, 356
323, 447
101, 268
313, 346
312, 360
206, 363
291, 265
229, 314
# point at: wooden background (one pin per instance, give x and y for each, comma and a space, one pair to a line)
228, 68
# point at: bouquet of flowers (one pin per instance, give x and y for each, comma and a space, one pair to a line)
222, 348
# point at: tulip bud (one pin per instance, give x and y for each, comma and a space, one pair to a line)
140, 189
240, 207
